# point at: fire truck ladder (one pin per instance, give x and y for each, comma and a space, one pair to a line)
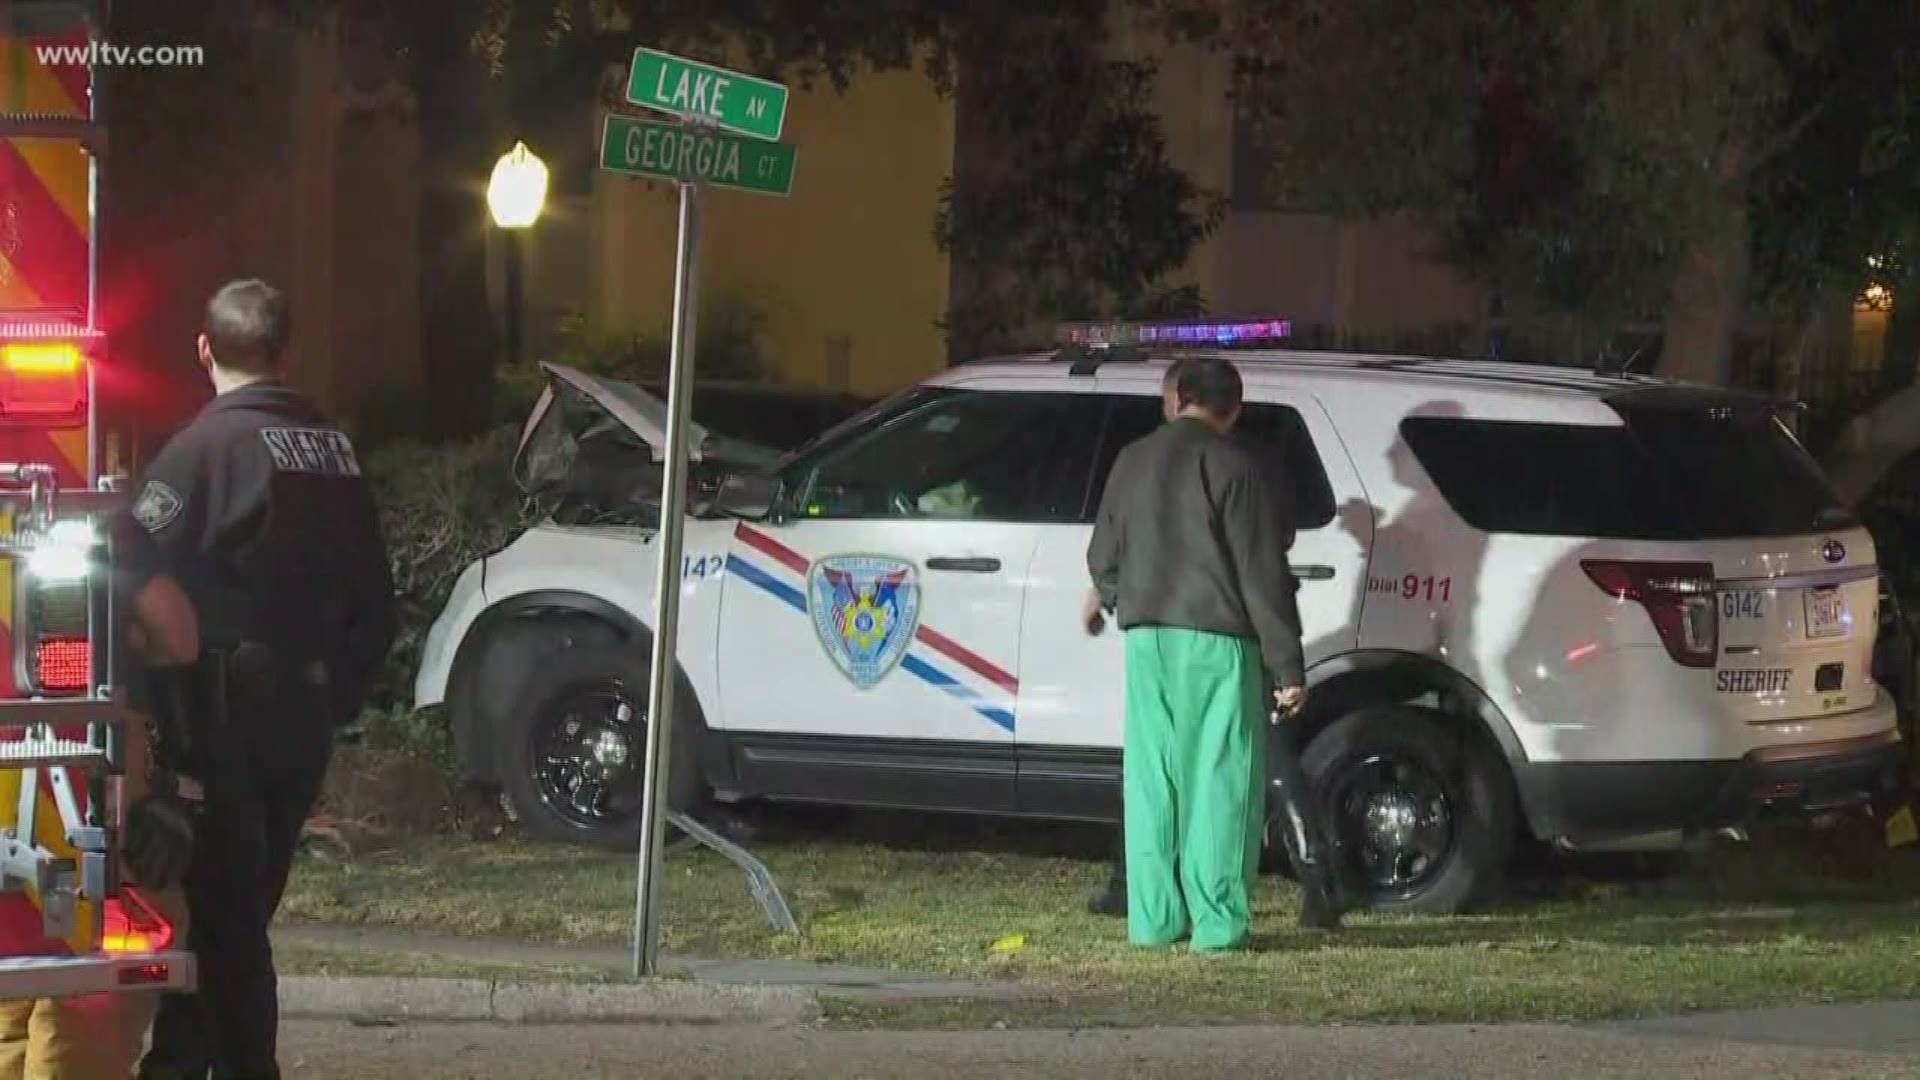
58, 845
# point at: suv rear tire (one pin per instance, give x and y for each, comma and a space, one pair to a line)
573, 749
1421, 810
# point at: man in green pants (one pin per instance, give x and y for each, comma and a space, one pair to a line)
1189, 550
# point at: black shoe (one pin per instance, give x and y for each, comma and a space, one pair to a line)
1319, 911
1110, 901
1323, 903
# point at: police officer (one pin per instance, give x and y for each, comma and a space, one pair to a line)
259, 508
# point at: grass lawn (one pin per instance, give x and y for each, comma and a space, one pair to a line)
1746, 928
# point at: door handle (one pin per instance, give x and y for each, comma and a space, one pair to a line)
1313, 573
964, 566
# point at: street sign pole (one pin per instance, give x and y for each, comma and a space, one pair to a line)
694, 154
666, 612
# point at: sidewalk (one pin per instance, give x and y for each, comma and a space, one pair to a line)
1876, 1027
759, 991
330, 1050
730, 989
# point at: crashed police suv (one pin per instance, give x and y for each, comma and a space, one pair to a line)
1540, 605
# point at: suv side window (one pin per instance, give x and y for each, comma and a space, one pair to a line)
1277, 433
1545, 479
966, 454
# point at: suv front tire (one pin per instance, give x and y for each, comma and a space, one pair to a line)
573, 748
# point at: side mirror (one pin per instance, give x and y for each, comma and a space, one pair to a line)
748, 495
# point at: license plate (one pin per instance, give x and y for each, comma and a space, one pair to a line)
1826, 613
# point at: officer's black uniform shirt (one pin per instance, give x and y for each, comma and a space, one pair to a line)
259, 509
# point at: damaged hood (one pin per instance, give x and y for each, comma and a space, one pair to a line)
576, 406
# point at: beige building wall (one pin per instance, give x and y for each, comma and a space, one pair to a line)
850, 280
845, 270
1365, 277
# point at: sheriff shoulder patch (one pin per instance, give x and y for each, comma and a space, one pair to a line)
157, 506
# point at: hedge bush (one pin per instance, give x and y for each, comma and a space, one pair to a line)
442, 507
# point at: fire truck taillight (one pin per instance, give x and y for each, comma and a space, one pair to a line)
63, 665
133, 927
42, 379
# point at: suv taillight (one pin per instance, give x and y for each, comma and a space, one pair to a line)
1678, 597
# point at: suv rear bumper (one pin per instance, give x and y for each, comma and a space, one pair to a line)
1589, 799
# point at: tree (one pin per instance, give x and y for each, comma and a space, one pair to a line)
1611, 160
1063, 202
1092, 214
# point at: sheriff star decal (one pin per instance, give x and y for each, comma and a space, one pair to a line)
865, 609
157, 506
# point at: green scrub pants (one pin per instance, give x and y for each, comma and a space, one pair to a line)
1194, 791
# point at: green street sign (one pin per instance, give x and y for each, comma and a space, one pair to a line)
663, 151
726, 99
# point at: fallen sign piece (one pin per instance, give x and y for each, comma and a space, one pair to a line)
667, 151
759, 878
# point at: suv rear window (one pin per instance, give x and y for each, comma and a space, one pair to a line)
1545, 479
1667, 474
1739, 472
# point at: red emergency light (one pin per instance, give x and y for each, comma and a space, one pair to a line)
42, 379
63, 664
132, 927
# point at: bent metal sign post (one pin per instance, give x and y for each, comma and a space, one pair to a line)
722, 133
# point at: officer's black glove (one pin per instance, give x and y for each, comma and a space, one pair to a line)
159, 840
186, 709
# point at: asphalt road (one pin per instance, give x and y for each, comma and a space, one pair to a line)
329, 1049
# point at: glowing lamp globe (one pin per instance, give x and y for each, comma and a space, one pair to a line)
518, 189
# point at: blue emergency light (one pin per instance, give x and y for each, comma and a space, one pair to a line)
1174, 333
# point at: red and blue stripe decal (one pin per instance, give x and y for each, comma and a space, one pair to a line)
934, 658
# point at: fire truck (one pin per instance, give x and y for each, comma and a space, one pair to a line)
68, 923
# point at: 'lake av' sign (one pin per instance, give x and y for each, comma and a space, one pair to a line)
725, 99
665, 151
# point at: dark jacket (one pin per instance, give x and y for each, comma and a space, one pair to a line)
1191, 535
259, 508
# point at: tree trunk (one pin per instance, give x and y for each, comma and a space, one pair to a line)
1903, 340
1878, 438
1810, 351
457, 148
976, 280
1709, 297
1873, 442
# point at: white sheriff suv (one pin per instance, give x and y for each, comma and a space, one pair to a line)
1594, 611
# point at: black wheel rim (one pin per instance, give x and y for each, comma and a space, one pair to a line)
588, 749
1394, 816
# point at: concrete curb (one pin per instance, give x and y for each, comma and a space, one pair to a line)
663, 1002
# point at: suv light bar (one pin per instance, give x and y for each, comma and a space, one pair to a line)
1174, 333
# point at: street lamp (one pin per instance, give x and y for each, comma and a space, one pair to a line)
516, 194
